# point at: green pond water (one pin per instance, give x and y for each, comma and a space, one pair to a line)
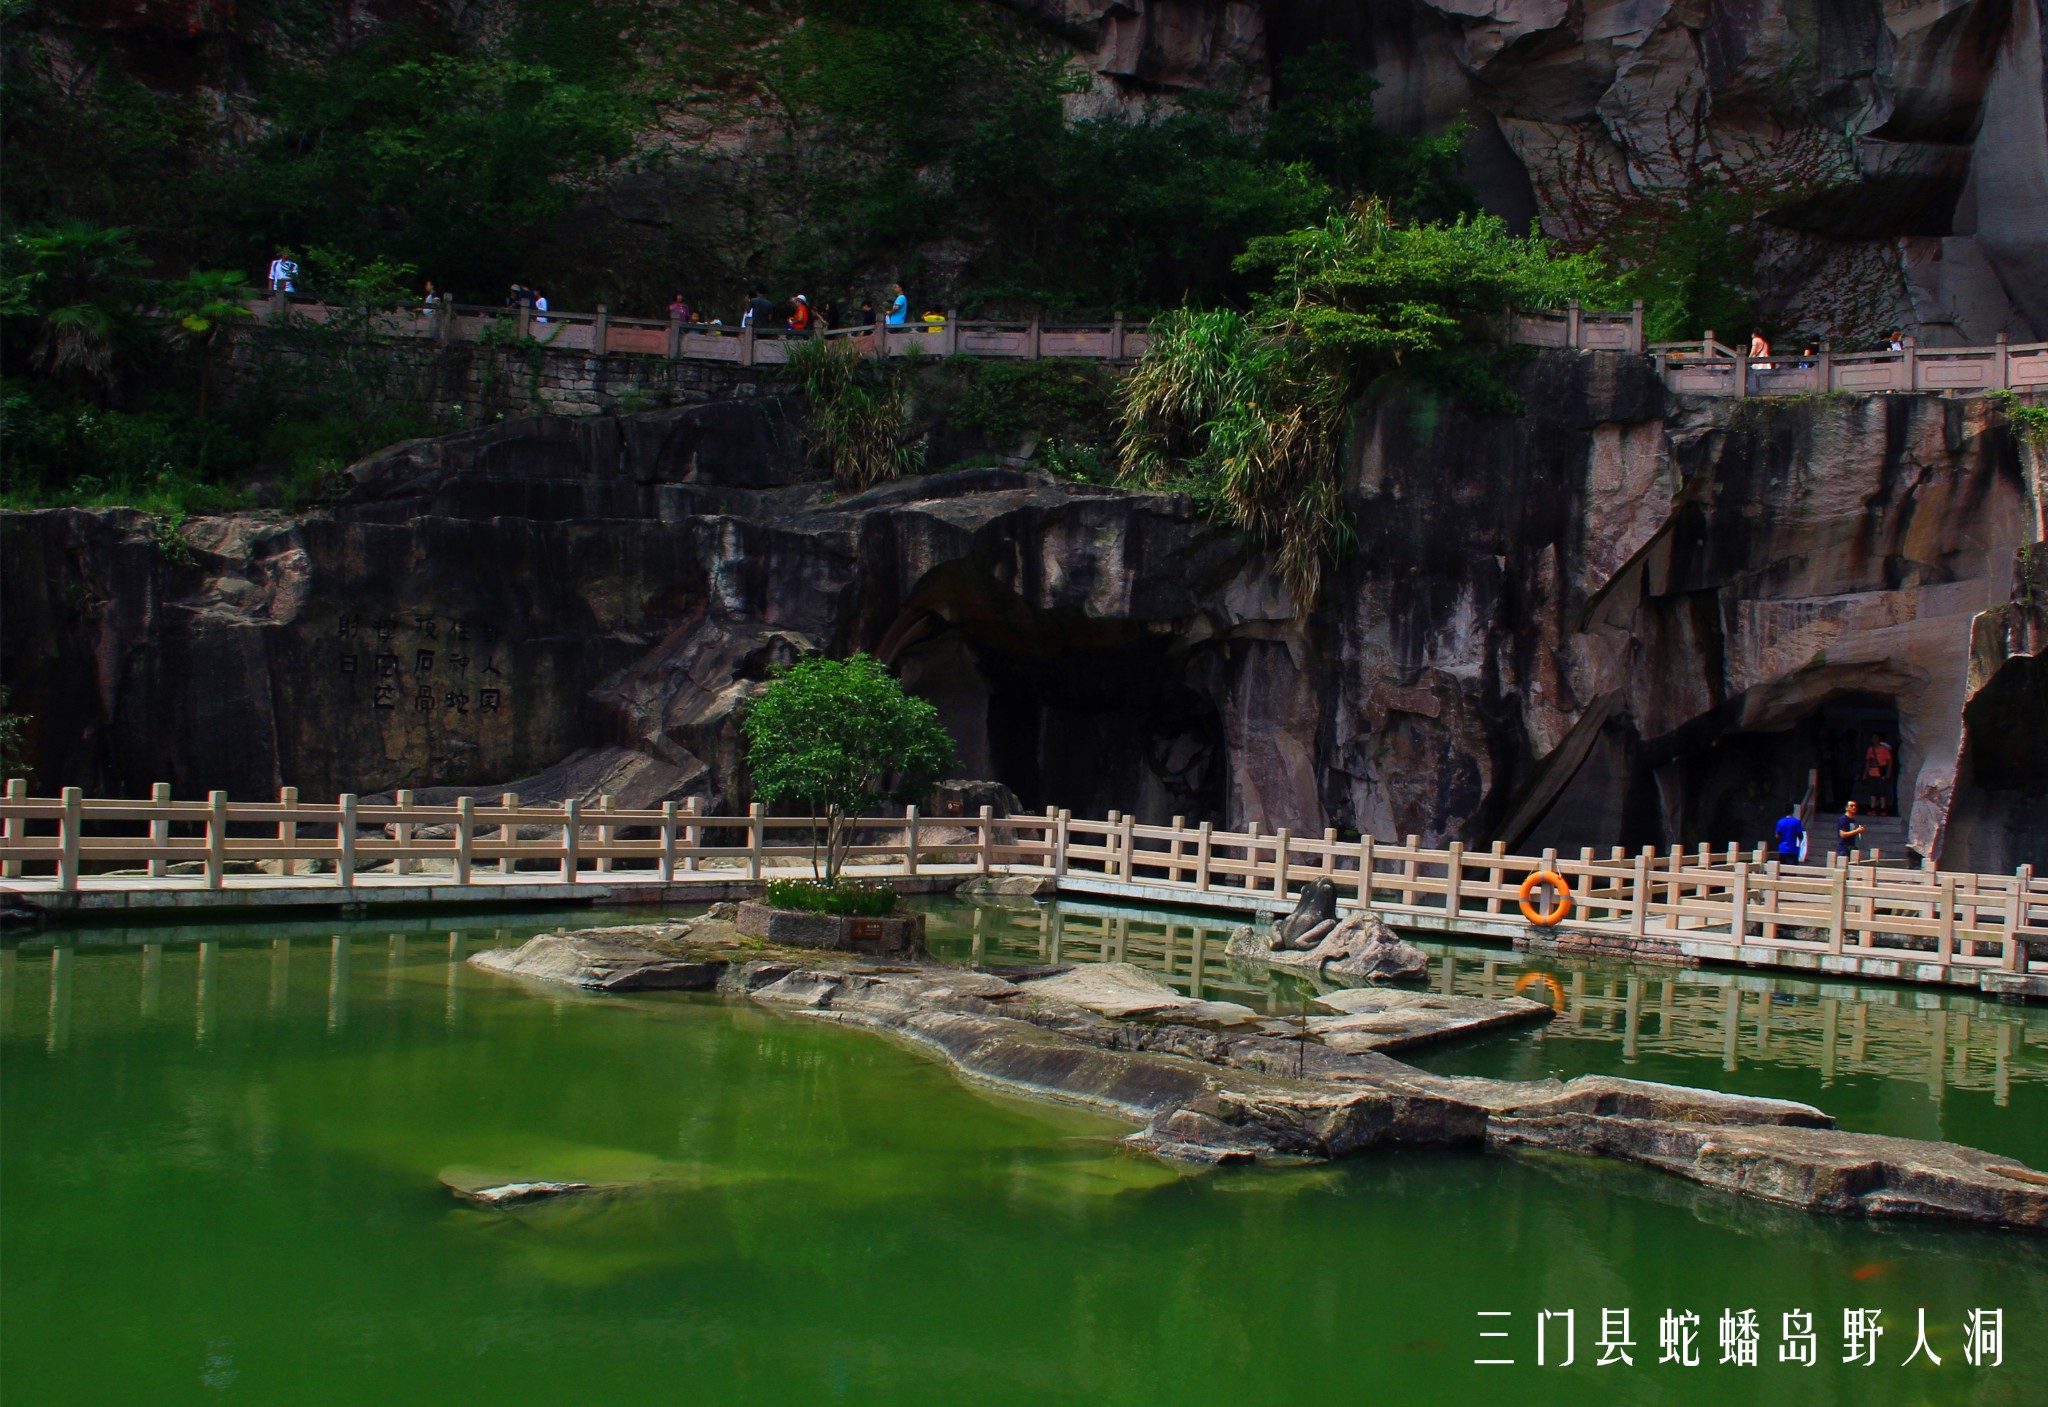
220, 1152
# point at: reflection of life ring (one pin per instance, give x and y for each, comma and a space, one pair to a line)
1546, 918
1542, 979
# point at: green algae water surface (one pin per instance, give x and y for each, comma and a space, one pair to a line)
220, 1164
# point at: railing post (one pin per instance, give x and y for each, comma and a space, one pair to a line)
1826, 366
403, 865
572, 838
1454, 881
1180, 824
1945, 944
949, 337
1495, 871
345, 841
1639, 920
465, 823
525, 321
17, 790
1909, 363
604, 837
988, 826
1059, 840
1126, 840
444, 320
1738, 905
1203, 850
1635, 327
1571, 324
692, 835
1283, 839
1365, 864
601, 331
668, 842
747, 345
1032, 338
2016, 919
1116, 338
755, 813
68, 827
1408, 871
675, 337
1838, 905
508, 833
216, 838
2001, 364
159, 827
288, 830
910, 820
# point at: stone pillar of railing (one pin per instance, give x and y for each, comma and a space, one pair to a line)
1909, 364
1033, 337
692, 835
345, 841
1365, 867
1454, 881
604, 836
755, 815
280, 305
508, 832
1059, 842
1838, 906
1283, 841
747, 345
949, 336
444, 320
1116, 338
2001, 364
2016, 919
675, 337
601, 331
910, 824
1825, 367
69, 824
1738, 905
988, 835
17, 829
525, 320
1571, 324
288, 830
572, 839
216, 838
403, 864
465, 836
668, 842
1636, 340
1639, 919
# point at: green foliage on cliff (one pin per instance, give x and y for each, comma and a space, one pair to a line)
838, 736
1251, 407
859, 419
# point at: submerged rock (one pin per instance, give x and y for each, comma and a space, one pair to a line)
484, 1191
1371, 1018
1013, 886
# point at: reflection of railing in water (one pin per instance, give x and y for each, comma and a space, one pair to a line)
1840, 1032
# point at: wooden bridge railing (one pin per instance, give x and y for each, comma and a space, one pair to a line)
1863, 907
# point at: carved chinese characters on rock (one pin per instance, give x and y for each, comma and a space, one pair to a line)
420, 670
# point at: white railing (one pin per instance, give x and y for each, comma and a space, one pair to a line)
1863, 907
1707, 367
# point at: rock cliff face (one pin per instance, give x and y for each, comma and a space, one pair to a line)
1616, 620
1901, 147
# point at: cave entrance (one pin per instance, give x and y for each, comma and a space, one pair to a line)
1736, 789
1064, 709
1846, 731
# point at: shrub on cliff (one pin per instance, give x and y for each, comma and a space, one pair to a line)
859, 422
838, 736
1252, 406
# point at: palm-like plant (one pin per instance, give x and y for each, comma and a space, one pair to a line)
199, 309
80, 284
860, 421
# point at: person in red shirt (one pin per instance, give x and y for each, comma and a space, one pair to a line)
800, 314
1878, 761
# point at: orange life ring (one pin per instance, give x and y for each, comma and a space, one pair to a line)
1543, 979
1547, 918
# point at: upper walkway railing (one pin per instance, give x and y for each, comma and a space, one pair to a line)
1705, 367
1918, 924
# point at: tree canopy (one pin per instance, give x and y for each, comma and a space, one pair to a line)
839, 736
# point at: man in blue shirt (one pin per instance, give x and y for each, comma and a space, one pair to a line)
1791, 834
899, 305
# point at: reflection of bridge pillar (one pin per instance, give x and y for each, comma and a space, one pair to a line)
1573, 1007
1196, 958
1830, 1029
1045, 919
1960, 1074
60, 1000
152, 980
1632, 1019
337, 984
1859, 1030
1937, 1053
280, 973
394, 959
1447, 976
1764, 1019
7, 982
1123, 937
1167, 960
209, 992
2001, 1077
453, 1011
1731, 1025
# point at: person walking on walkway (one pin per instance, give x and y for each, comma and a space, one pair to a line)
678, 309
1791, 836
899, 305
760, 312
1758, 347
1877, 775
284, 273
1848, 832
799, 314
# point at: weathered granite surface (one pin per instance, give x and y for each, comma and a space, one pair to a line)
1359, 945
1213, 1096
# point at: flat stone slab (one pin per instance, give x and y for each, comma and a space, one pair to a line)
1372, 1018
656, 957
1125, 990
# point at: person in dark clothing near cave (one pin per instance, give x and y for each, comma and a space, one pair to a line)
1878, 764
1849, 831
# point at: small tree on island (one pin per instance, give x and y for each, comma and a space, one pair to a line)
839, 736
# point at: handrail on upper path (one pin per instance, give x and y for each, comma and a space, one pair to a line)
1705, 367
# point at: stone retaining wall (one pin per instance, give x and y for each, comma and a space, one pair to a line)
469, 382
